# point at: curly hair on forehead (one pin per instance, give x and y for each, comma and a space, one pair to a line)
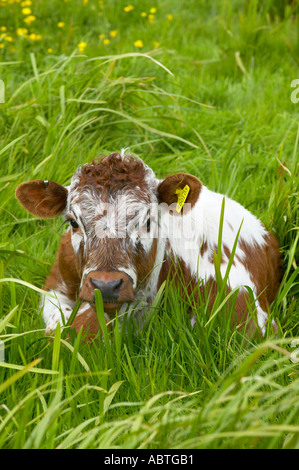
113, 172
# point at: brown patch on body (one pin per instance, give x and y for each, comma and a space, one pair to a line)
264, 265
228, 253
89, 320
64, 276
90, 323
144, 262
211, 256
203, 248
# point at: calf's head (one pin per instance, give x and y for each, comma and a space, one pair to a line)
113, 207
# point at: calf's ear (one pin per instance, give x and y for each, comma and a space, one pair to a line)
44, 199
180, 191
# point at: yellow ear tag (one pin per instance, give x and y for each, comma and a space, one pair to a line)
182, 196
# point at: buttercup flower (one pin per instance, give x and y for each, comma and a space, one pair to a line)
143, 14
1, 45
106, 42
169, 17
153, 10
26, 11
102, 36
21, 31
151, 18
81, 46
128, 8
138, 43
29, 19
35, 37
8, 38
3, 28
26, 3
50, 50
113, 33
156, 44
61, 24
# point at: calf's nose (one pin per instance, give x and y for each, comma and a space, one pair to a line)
115, 286
110, 290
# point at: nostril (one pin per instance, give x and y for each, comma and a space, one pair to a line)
94, 283
116, 285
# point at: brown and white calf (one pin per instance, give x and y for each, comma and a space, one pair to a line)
127, 233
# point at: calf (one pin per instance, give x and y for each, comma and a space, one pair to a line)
129, 231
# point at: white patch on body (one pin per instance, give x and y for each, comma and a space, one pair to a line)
55, 309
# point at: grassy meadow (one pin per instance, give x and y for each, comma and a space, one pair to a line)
197, 86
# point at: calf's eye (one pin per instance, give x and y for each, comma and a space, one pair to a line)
74, 223
148, 225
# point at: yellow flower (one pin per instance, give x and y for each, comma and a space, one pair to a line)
85, 2
22, 31
29, 19
106, 42
50, 50
113, 33
156, 44
81, 46
1, 45
27, 3
61, 24
8, 38
169, 17
143, 14
153, 10
3, 28
128, 8
26, 11
138, 43
151, 18
102, 36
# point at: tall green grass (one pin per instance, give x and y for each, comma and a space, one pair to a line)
212, 100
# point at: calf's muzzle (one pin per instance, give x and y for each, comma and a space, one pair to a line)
116, 287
